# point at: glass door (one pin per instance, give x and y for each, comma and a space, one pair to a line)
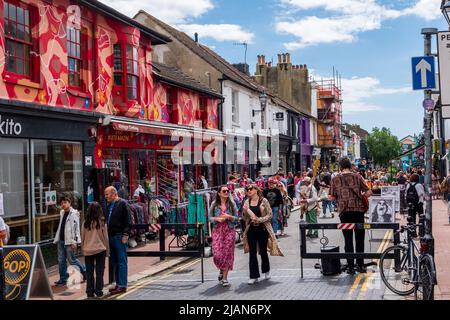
14, 188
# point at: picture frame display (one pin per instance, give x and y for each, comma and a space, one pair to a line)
392, 191
382, 209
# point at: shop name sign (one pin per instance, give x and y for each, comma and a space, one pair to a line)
9, 128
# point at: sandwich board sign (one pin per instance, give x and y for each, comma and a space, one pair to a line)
25, 273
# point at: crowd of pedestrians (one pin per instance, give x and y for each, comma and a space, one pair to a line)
263, 216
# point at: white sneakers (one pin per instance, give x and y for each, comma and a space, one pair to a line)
225, 283
267, 276
278, 233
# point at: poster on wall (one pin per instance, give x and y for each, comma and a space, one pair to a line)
50, 198
2, 209
393, 191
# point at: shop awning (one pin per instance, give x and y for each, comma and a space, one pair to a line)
158, 128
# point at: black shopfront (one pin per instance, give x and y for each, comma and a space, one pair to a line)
44, 152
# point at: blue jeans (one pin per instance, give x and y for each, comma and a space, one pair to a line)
325, 204
119, 260
66, 253
275, 219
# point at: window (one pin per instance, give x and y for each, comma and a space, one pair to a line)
118, 65
169, 101
74, 54
132, 72
235, 106
203, 116
18, 39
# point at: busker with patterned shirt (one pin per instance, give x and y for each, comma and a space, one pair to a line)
347, 189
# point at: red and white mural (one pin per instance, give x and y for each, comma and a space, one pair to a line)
36, 49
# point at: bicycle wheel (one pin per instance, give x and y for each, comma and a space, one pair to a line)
398, 281
427, 278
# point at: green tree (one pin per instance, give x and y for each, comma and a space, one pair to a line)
383, 146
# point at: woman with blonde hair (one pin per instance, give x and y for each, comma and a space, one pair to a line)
258, 234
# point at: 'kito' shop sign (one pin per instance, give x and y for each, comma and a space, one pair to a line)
9, 127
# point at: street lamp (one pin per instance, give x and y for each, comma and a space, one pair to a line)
445, 8
263, 101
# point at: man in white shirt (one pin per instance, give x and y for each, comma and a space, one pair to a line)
4, 231
415, 198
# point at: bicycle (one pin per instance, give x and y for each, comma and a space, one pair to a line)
408, 266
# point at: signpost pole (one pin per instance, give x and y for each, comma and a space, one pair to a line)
427, 33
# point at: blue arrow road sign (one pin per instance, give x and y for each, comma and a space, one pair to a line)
423, 73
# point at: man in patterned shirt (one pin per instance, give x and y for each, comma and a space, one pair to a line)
347, 190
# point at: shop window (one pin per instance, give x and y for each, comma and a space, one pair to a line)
132, 72
18, 39
56, 169
170, 106
14, 196
235, 107
118, 65
74, 54
203, 112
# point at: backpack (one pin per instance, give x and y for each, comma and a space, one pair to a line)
411, 195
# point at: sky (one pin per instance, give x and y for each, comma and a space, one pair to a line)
369, 42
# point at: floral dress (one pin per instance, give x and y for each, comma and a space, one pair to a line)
223, 243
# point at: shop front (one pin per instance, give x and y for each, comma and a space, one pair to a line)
43, 154
141, 158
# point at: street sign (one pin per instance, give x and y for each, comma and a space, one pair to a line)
279, 116
444, 66
423, 73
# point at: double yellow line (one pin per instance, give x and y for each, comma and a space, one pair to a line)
367, 277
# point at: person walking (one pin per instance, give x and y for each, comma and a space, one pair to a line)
67, 238
245, 181
275, 198
347, 189
415, 197
260, 181
324, 194
4, 233
435, 185
310, 199
291, 185
223, 214
258, 235
95, 246
119, 228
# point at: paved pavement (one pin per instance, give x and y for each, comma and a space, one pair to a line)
184, 282
441, 233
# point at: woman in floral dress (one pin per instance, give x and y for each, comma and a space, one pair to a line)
223, 215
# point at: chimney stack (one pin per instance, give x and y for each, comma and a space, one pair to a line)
283, 58
270, 64
279, 58
196, 37
263, 59
288, 58
259, 60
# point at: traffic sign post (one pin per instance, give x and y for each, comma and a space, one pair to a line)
423, 73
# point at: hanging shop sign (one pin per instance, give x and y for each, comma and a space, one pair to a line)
25, 273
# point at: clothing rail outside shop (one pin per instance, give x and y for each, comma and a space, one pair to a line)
349, 226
